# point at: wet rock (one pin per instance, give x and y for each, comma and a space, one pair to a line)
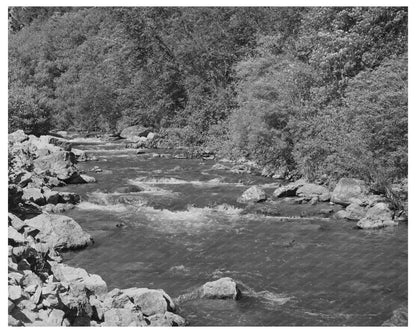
310, 191
378, 216
399, 317
347, 190
79, 279
59, 164
60, 232
34, 195
289, 189
253, 194
222, 288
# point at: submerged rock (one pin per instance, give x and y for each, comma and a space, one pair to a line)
59, 232
253, 194
222, 288
347, 190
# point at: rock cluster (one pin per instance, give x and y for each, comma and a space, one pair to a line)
42, 291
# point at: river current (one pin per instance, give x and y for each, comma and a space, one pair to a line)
185, 228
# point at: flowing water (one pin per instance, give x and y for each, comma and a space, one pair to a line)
185, 228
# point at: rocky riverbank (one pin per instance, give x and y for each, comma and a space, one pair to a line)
45, 291
42, 290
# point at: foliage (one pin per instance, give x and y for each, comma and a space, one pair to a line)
319, 90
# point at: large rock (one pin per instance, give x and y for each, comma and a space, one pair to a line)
222, 288
347, 190
378, 216
123, 317
34, 195
253, 194
150, 301
310, 191
79, 279
166, 319
55, 141
59, 232
135, 131
355, 212
289, 190
17, 137
15, 222
58, 164
15, 238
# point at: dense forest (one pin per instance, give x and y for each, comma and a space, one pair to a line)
319, 91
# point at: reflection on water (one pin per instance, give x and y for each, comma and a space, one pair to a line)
184, 228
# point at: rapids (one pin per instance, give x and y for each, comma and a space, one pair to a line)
185, 228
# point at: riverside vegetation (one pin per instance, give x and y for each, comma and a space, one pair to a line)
314, 96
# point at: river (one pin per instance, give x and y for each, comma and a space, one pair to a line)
185, 228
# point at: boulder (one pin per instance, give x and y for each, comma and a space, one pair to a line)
289, 189
51, 197
59, 232
17, 137
150, 301
166, 319
253, 194
348, 189
34, 195
55, 141
58, 208
69, 197
15, 238
83, 156
58, 164
123, 317
79, 279
309, 191
15, 222
223, 288
355, 212
15, 293
135, 131
378, 216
